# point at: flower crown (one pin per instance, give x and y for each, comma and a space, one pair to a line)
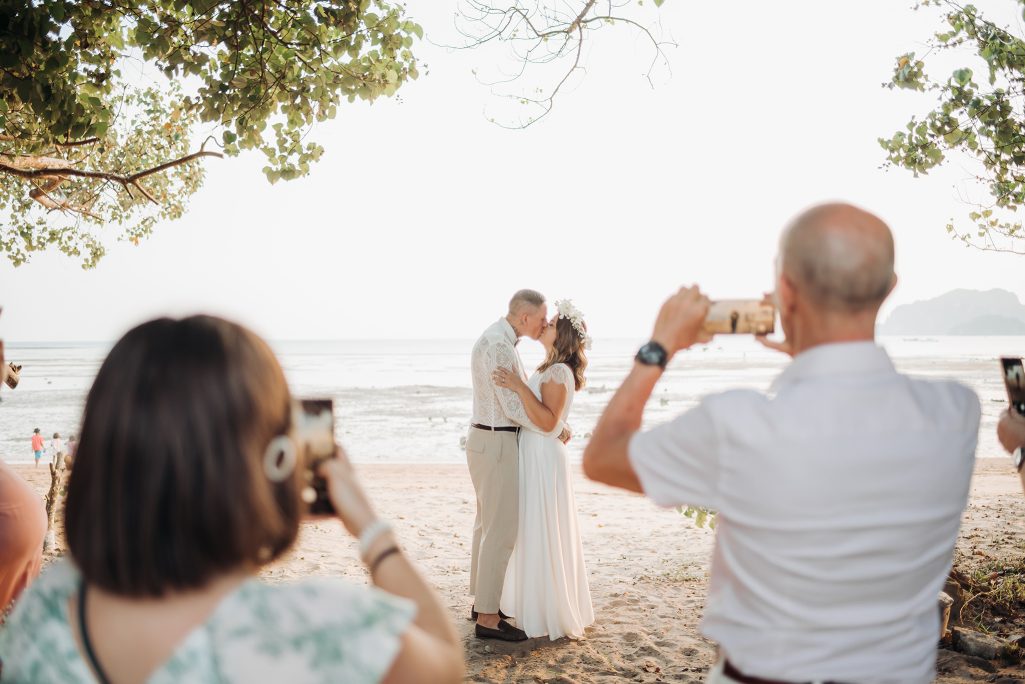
567, 310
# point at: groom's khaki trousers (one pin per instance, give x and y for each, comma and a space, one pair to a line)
493, 458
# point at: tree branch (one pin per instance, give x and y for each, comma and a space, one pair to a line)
53, 172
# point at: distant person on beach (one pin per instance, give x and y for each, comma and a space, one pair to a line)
56, 447
1011, 432
177, 500
839, 492
22, 528
38, 445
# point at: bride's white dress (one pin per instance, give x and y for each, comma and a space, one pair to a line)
546, 582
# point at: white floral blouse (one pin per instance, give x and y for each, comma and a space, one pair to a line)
316, 630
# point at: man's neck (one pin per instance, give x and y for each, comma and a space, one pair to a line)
512, 323
833, 330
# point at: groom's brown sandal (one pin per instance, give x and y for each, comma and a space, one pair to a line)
473, 614
504, 632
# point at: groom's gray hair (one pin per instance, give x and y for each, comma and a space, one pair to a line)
531, 298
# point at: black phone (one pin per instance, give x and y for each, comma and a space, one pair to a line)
1014, 380
316, 432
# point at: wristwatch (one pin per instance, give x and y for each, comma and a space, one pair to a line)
653, 354
1019, 458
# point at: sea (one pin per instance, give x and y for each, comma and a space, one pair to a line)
409, 401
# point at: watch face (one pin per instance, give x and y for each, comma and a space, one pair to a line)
651, 355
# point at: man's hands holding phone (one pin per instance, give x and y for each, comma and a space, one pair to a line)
679, 321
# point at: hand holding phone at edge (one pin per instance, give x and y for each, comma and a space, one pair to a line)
1011, 430
783, 346
347, 495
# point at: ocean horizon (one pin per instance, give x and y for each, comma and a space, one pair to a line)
409, 401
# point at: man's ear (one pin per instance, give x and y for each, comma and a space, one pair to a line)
786, 294
893, 284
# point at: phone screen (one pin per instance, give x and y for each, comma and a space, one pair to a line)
316, 428
740, 317
1014, 380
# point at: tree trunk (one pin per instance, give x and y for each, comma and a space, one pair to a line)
52, 497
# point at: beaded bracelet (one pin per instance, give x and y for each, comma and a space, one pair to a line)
370, 534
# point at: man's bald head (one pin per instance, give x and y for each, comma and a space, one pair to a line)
840, 257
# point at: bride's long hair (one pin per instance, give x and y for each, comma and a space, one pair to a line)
568, 349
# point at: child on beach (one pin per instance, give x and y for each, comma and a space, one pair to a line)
37, 445
56, 447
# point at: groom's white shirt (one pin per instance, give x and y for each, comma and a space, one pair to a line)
492, 405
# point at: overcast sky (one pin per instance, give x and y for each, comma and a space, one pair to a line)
423, 217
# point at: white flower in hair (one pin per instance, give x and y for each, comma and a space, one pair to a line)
567, 310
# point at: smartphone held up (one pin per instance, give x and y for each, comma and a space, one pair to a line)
315, 431
741, 317
1014, 381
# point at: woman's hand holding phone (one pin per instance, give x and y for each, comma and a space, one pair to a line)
1011, 430
346, 493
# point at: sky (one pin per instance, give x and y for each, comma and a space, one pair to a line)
423, 217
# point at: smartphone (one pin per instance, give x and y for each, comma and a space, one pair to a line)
741, 316
315, 423
1014, 380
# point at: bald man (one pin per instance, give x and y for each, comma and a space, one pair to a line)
839, 491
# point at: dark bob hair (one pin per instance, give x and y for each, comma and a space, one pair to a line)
168, 488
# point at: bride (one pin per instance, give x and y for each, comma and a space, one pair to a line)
546, 581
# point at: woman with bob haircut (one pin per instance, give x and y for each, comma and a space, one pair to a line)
176, 501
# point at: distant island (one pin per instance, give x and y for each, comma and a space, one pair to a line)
959, 312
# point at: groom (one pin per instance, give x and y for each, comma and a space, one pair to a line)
492, 453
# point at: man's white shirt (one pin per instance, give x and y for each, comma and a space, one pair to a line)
840, 495
495, 406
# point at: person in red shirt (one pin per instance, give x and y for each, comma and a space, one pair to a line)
38, 444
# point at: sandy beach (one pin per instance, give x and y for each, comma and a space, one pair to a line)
648, 572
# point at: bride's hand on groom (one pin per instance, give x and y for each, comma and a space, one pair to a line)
680, 320
503, 377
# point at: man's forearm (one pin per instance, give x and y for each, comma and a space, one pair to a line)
606, 458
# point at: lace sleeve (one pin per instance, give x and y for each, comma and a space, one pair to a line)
560, 372
504, 356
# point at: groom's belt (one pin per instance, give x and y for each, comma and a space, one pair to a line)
738, 676
507, 428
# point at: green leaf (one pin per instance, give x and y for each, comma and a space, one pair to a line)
963, 76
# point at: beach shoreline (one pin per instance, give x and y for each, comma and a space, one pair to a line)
648, 589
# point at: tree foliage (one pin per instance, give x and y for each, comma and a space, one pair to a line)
89, 141
979, 118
